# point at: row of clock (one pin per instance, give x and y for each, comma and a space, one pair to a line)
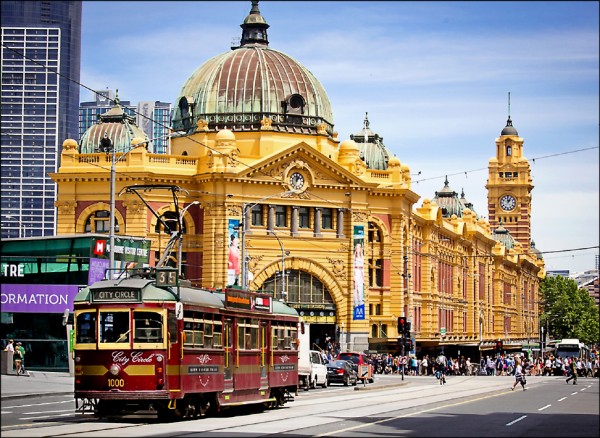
297, 182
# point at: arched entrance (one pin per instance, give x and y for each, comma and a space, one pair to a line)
313, 301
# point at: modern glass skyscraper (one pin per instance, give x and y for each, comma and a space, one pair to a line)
41, 57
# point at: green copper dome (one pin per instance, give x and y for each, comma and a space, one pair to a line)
115, 129
237, 89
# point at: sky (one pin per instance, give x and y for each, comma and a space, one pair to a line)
434, 78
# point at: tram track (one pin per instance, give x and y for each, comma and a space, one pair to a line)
333, 405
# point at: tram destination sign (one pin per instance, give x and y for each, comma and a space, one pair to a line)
240, 299
117, 296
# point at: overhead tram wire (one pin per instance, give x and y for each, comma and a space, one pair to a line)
280, 180
275, 178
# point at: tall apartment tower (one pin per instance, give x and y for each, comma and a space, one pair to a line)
153, 117
41, 54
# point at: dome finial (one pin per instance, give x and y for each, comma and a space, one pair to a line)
117, 100
254, 28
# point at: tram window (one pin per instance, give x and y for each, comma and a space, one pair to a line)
279, 338
147, 327
248, 335
86, 328
188, 334
114, 326
208, 335
218, 334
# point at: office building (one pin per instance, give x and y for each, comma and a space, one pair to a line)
41, 51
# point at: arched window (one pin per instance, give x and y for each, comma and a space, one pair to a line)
375, 242
301, 287
170, 218
99, 222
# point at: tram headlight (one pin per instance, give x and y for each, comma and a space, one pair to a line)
159, 358
115, 369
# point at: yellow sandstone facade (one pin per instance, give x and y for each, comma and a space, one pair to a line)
306, 197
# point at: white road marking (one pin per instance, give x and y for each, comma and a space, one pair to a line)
545, 407
574, 393
48, 412
561, 399
47, 416
42, 404
517, 420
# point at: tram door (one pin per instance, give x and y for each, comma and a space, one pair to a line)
228, 359
265, 349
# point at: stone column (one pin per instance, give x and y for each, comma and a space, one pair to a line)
318, 213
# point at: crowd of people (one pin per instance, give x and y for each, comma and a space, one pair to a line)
500, 365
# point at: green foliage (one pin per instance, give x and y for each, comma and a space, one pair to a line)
568, 311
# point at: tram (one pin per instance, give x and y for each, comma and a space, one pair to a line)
180, 352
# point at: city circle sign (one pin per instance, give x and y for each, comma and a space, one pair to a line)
443, 331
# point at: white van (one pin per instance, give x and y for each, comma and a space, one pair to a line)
312, 370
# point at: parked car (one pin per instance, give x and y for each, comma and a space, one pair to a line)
341, 371
362, 365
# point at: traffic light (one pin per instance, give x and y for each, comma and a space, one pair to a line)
408, 345
499, 345
407, 329
402, 325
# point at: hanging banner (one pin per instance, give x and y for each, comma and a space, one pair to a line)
359, 272
234, 259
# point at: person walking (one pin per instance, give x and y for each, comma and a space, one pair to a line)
19, 358
442, 364
519, 376
573, 371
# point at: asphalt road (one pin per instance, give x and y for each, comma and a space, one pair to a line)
417, 406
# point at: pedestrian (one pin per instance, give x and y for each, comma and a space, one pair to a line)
19, 359
442, 363
519, 377
573, 371
10, 346
424, 365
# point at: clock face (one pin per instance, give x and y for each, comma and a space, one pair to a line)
508, 202
296, 181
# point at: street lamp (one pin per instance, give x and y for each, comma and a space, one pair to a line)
283, 254
245, 210
16, 219
106, 145
179, 250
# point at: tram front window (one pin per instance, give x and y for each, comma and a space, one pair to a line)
86, 328
114, 326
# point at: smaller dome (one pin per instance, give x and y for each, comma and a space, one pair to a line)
225, 134
372, 150
536, 252
348, 145
448, 201
394, 161
115, 130
503, 236
509, 129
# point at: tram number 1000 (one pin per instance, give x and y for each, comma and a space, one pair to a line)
116, 383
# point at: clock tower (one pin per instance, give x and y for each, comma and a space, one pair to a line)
509, 186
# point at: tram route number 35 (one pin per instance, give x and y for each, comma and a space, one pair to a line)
116, 383
166, 277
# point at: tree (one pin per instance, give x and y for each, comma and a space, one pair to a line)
568, 311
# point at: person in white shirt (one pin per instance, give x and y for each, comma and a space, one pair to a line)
10, 346
519, 377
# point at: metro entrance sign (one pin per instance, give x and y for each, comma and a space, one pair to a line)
443, 331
